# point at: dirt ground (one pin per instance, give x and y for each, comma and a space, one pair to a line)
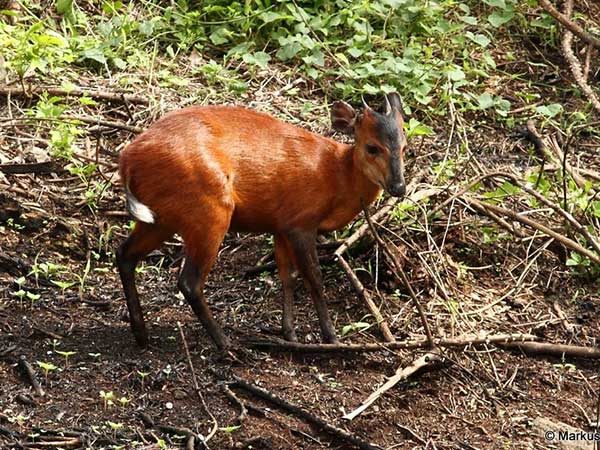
102, 391
479, 398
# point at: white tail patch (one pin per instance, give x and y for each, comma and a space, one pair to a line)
137, 209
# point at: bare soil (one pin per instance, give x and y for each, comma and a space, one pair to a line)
479, 398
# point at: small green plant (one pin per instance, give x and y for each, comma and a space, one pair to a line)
67, 355
124, 401
19, 419
108, 398
230, 429
32, 297
354, 327
15, 225
20, 294
63, 285
47, 368
143, 376
114, 426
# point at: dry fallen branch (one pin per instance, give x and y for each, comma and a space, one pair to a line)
565, 214
236, 401
400, 273
30, 374
85, 119
42, 167
309, 417
401, 374
364, 228
30, 90
371, 306
570, 25
569, 243
557, 158
382, 213
276, 344
544, 348
356, 236
574, 64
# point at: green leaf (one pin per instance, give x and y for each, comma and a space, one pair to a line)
550, 110
355, 52
147, 28
496, 3
270, 16
63, 284
46, 366
260, 59
95, 54
479, 39
230, 429
416, 128
469, 20
485, 101
220, 36
498, 19
316, 59
64, 7
119, 63
456, 74
288, 51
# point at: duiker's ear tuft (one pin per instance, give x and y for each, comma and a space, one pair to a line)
343, 117
393, 102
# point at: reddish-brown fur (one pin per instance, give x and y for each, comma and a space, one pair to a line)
205, 170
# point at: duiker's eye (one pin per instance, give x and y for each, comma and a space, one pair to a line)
372, 149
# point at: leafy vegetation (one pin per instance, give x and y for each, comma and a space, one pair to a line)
417, 48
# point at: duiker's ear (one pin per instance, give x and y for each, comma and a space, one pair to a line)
394, 102
343, 117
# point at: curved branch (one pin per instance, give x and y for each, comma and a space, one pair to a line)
572, 26
574, 63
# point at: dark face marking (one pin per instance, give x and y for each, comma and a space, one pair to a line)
389, 134
380, 143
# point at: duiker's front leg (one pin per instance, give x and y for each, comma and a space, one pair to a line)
304, 247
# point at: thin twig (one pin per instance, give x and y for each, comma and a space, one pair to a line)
93, 120
371, 306
309, 417
235, 400
30, 90
196, 386
569, 243
545, 348
400, 272
401, 374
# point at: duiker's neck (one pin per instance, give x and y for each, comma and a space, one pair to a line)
358, 184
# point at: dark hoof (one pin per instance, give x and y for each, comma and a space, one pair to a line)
331, 339
223, 344
141, 338
289, 335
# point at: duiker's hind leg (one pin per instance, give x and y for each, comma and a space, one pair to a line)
143, 239
286, 269
202, 242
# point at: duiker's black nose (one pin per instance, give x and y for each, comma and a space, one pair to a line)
397, 189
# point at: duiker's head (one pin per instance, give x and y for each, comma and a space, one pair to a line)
380, 141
